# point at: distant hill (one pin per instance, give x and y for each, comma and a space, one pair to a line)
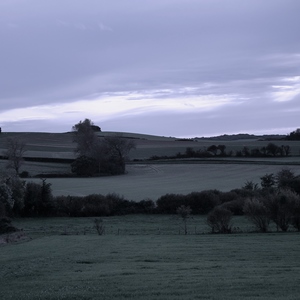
244, 136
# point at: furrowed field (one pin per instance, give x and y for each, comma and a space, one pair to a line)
148, 256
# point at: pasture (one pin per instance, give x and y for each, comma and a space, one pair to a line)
143, 263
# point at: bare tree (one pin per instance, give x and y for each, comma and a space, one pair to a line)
15, 152
184, 212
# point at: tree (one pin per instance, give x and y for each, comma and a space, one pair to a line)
184, 212
85, 137
272, 149
84, 166
222, 149
284, 177
213, 149
219, 220
267, 181
257, 212
15, 151
281, 208
118, 149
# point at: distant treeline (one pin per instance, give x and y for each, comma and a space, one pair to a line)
270, 150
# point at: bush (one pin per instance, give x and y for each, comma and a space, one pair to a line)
202, 202
219, 220
6, 226
257, 213
281, 208
169, 203
84, 166
38, 200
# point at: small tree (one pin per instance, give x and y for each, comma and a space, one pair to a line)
267, 181
219, 220
284, 177
184, 212
15, 151
99, 226
256, 212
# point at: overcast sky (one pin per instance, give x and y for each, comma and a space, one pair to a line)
180, 68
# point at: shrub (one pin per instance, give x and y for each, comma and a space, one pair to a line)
203, 202
38, 199
219, 220
99, 226
84, 166
184, 212
281, 208
169, 203
6, 226
257, 212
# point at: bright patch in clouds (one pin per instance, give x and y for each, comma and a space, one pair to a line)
287, 92
119, 104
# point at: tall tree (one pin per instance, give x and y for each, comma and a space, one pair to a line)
85, 137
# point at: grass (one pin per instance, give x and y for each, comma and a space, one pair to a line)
148, 265
145, 181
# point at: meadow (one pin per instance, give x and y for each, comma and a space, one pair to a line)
148, 258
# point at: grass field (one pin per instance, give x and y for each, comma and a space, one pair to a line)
145, 181
147, 264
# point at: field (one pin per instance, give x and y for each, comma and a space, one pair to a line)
141, 262
152, 179
147, 256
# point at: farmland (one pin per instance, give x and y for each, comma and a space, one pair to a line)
150, 180
148, 256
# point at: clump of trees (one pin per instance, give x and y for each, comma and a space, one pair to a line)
294, 135
96, 155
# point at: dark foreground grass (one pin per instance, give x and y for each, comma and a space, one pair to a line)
151, 266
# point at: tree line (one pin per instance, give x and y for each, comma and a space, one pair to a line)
276, 199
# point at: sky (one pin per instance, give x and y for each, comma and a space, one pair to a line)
184, 68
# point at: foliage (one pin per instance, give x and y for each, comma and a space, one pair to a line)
284, 177
268, 181
38, 199
219, 220
6, 226
84, 137
84, 166
281, 208
257, 212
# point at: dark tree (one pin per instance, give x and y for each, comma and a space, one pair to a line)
213, 149
272, 149
85, 137
268, 181
15, 151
